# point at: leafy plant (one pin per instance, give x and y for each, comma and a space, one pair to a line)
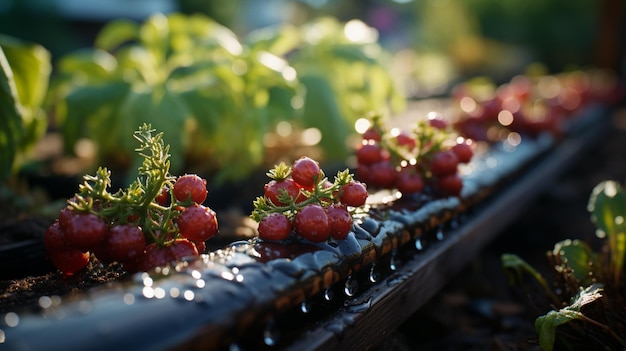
187, 75
24, 73
346, 76
588, 292
218, 96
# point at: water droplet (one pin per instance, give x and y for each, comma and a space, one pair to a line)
374, 274
392, 261
270, 334
328, 294
351, 287
305, 307
418, 244
440, 233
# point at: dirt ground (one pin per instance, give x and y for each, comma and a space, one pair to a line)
480, 310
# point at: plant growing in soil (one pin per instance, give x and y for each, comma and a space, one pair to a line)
157, 219
299, 202
587, 294
425, 158
24, 72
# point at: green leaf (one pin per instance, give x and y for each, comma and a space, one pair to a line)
607, 205
116, 33
579, 256
322, 111
24, 81
92, 110
512, 263
162, 109
11, 128
546, 325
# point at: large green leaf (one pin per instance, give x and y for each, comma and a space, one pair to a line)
11, 128
321, 111
607, 205
116, 33
578, 256
546, 325
24, 80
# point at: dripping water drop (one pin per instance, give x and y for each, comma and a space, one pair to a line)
270, 334
440, 233
374, 275
418, 244
351, 287
305, 307
328, 294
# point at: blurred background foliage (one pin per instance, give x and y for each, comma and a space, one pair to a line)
427, 46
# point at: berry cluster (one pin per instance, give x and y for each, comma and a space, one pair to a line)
412, 162
300, 202
158, 219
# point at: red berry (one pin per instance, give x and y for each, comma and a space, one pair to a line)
369, 153
275, 226
197, 223
383, 175
451, 184
163, 198
404, 139
54, 239
371, 134
409, 181
353, 194
125, 242
438, 122
190, 187
444, 163
155, 256
463, 152
69, 261
311, 223
274, 188
201, 246
85, 230
182, 248
306, 172
340, 221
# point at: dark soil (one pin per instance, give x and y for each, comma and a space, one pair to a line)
477, 311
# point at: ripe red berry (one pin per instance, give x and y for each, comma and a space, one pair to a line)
340, 221
154, 256
371, 134
463, 152
181, 248
451, 184
190, 187
353, 194
438, 122
197, 223
163, 198
273, 191
383, 175
125, 242
369, 153
311, 223
54, 239
444, 163
84, 230
69, 262
305, 171
275, 226
405, 140
200, 246
409, 181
